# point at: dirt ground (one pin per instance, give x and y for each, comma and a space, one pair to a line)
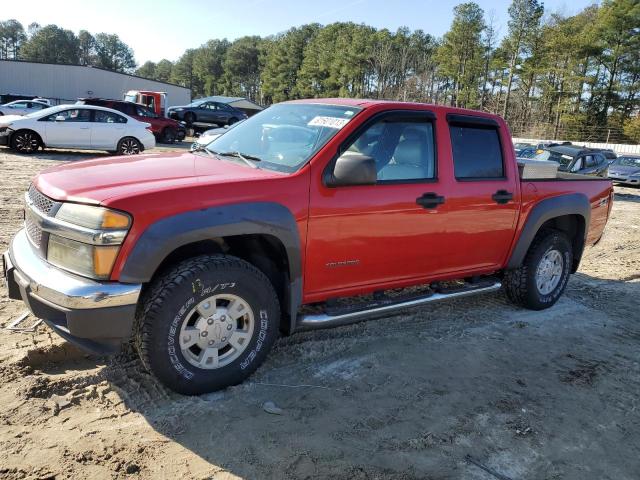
433, 393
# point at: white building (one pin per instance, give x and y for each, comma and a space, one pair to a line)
66, 83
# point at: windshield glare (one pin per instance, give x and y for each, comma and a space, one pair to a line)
629, 162
285, 136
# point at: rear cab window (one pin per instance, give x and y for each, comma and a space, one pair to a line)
476, 148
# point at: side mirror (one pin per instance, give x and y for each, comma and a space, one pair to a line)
60, 118
353, 168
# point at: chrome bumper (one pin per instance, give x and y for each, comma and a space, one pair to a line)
62, 288
97, 316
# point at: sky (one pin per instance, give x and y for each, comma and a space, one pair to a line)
165, 29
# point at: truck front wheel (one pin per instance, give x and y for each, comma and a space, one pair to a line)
540, 280
207, 323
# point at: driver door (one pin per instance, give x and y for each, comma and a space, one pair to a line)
380, 234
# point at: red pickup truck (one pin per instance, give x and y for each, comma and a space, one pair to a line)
310, 214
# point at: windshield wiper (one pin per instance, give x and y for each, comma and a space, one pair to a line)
246, 158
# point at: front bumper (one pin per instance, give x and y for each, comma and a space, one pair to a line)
97, 316
625, 179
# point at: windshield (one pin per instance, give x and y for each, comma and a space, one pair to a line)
628, 162
563, 160
285, 136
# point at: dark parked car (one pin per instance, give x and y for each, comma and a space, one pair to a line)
518, 147
609, 154
528, 152
164, 129
625, 169
575, 159
207, 111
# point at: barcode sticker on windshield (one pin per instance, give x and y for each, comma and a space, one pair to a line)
330, 122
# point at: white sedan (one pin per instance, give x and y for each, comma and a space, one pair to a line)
22, 107
70, 126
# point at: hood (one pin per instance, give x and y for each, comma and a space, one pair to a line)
623, 170
7, 119
96, 181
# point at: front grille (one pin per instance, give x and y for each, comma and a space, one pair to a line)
41, 202
33, 231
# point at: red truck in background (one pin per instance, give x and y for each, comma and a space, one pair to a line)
309, 214
154, 101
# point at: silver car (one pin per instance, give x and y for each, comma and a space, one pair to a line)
209, 136
626, 170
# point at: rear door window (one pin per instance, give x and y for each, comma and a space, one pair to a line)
108, 117
477, 153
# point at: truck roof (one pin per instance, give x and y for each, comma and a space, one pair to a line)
368, 103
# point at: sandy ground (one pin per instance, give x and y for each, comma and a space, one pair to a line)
425, 394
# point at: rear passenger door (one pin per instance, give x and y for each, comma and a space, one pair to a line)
482, 202
108, 128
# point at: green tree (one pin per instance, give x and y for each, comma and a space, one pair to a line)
242, 68
618, 28
182, 73
632, 129
283, 62
460, 56
87, 48
337, 62
12, 36
524, 21
51, 44
147, 70
113, 54
163, 70
208, 65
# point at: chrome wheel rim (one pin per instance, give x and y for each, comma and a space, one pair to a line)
129, 147
216, 331
549, 271
26, 142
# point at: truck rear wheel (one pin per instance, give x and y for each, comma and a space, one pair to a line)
207, 324
540, 280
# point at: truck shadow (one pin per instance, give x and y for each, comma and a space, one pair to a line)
407, 394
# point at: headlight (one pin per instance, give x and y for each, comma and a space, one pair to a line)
81, 258
91, 249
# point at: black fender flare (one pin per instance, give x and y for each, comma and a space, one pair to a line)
548, 209
170, 233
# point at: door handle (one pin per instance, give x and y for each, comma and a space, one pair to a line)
502, 196
430, 200
84, 128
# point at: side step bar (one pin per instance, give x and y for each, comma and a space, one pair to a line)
325, 320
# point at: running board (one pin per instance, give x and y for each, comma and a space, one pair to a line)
326, 320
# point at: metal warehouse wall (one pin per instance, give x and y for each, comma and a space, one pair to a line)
66, 83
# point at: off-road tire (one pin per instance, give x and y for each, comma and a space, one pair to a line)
520, 283
25, 141
165, 308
